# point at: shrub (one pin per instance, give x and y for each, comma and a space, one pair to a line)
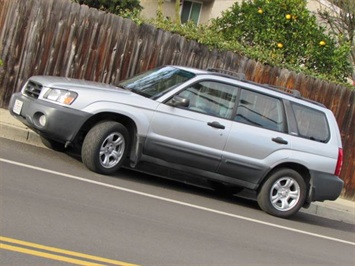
112, 6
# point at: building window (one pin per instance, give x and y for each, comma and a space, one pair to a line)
190, 11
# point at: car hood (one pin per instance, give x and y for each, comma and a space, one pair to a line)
72, 84
90, 92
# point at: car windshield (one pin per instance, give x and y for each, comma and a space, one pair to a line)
154, 83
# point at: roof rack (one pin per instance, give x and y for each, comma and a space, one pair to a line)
294, 92
242, 77
224, 72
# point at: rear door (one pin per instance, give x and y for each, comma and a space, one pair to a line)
194, 136
257, 133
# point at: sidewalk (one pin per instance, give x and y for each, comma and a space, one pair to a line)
340, 210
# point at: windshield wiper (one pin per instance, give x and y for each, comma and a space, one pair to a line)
122, 87
140, 92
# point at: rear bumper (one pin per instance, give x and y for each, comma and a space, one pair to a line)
324, 186
62, 123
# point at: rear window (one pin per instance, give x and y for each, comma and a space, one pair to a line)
312, 124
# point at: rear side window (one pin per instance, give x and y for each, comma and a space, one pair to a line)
260, 110
312, 124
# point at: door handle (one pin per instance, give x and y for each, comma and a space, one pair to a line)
280, 140
216, 125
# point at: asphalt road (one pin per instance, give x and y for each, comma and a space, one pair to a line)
54, 211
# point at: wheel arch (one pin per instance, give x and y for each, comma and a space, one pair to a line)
126, 121
301, 169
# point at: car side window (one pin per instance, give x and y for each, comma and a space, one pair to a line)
260, 110
210, 97
311, 123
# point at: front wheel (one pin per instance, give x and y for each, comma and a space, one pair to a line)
283, 193
105, 147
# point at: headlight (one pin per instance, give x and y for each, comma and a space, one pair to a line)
60, 96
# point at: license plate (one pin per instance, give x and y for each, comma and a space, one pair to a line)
17, 107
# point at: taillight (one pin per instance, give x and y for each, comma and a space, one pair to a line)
339, 162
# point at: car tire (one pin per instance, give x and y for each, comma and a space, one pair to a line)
283, 193
105, 147
52, 144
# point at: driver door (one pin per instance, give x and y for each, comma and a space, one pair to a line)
194, 135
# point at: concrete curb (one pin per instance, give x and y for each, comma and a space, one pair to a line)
12, 129
340, 210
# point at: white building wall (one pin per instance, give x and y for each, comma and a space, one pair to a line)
212, 8
150, 8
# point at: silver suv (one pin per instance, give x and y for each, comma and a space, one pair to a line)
209, 128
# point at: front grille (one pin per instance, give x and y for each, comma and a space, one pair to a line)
33, 89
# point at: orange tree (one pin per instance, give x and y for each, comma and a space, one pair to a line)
339, 17
287, 33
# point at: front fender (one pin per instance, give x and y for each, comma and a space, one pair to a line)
141, 115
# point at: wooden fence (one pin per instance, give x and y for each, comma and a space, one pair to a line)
58, 37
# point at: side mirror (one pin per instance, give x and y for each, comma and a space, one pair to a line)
179, 101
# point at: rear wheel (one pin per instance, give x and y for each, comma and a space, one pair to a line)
283, 193
105, 147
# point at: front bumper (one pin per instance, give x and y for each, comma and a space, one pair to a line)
62, 123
